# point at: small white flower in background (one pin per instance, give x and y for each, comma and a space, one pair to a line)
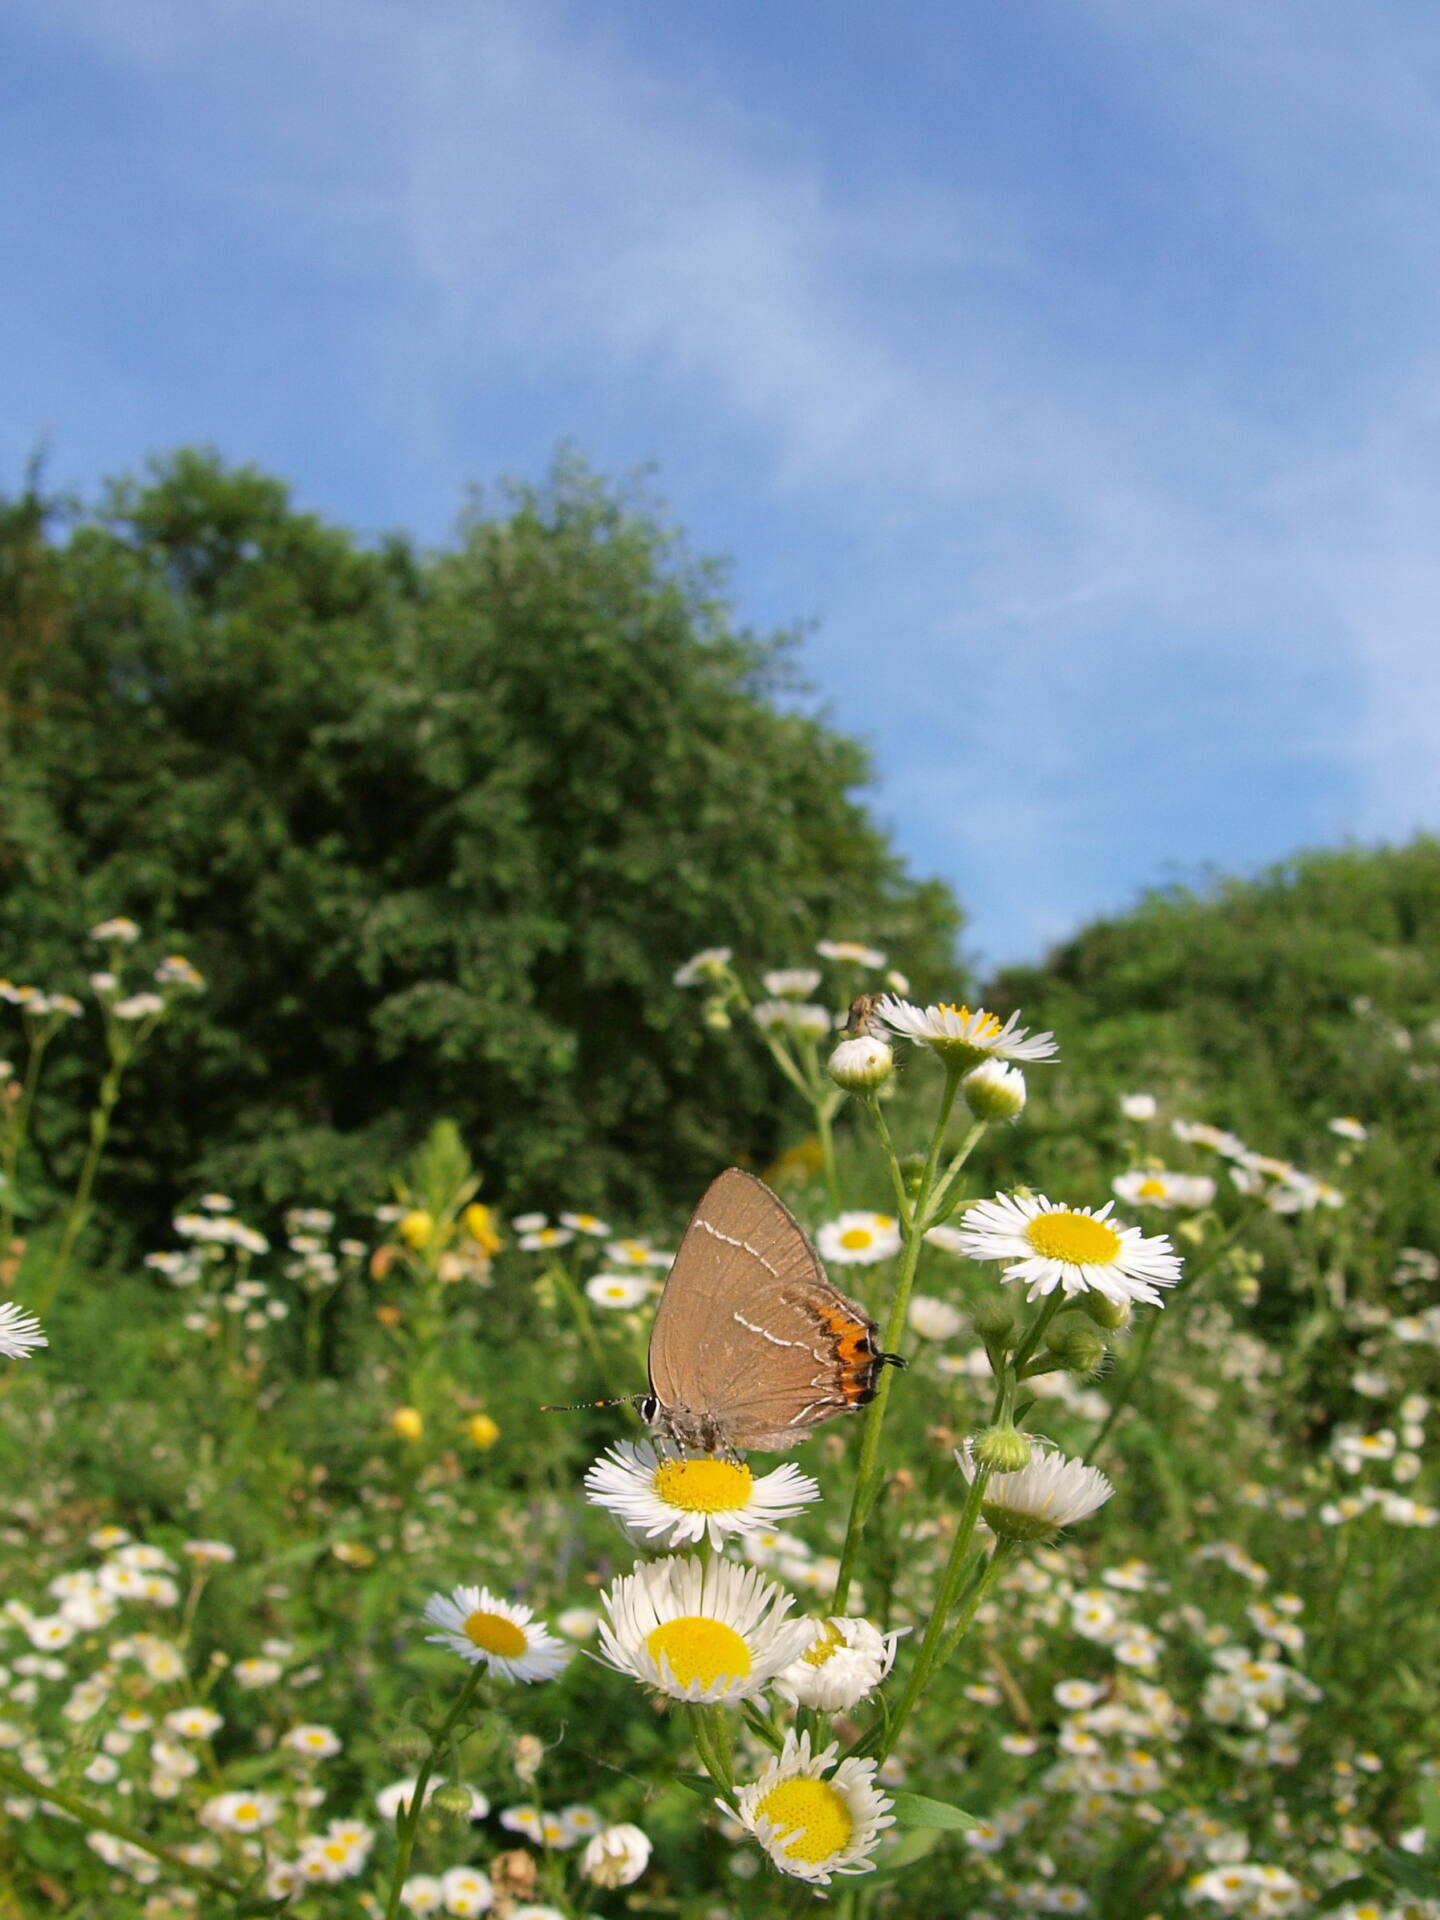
934, 1319
522, 1222
948, 1239
1349, 1128
466, 1890
618, 1290
176, 971
530, 1911
255, 1672
1075, 1249
636, 1252
121, 928
858, 1239
422, 1894
847, 1660
208, 1553
586, 1223
678, 1501
789, 1016
478, 1625
814, 1818
138, 1006
709, 964
699, 1632
20, 1332
790, 983
397, 1796
852, 953
1199, 1133
1035, 1503
528, 1820
240, 1812
103, 983
194, 1723
577, 1623
314, 1742
616, 1857
1138, 1106
962, 1034
542, 1238
1154, 1187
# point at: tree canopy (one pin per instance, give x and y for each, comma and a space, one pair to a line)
437, 827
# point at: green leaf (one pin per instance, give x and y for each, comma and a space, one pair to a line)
913, 1812
1362, 1887
1414, 1876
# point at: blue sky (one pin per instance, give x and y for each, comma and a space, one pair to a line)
1070, 367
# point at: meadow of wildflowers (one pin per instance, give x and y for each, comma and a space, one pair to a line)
1115, 1599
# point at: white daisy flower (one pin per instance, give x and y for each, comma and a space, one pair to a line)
850, 952
523, 1222
466, 1890
708, 964
194, 1723
544, 1238
616, 1857
1154, 1187
948, 1239
1199, 1133
397, 1796
587, 1223
618, 1290
479, 1626
959, 1034
700, 1632
791, 983
636, 1252
577, 1623
858, 1239
680, 1501
240, 1812
846, 1661
314, 1742
422, 1895
1075, 1249
208, 1553
934, 1319
121, 928
1349, 1128
1138, 1106
1034, 1504
20, 1332
814, 1818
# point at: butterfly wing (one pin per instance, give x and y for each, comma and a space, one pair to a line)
751, 1345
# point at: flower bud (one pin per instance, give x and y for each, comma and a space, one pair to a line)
455, 1801
996, 1322
1110, 1314
1078, 1348
715, 1016
994, 1091
860, 1064
406, 1747
1002, 1450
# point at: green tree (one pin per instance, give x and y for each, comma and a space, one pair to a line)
437, 828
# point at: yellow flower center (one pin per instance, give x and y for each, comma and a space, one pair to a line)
856, 1237
829, 1643
704, 1486
814, 1814
1076, 1238
493, 1633
1152, 1189
698, 1648
988, 1024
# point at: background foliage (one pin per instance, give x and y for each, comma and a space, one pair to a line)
437, 828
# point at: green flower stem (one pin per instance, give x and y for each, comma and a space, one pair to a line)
16, 1777
892, 1159
712, 1743
825, 1133
867, 1472
80, 1205
972, 1595
407, 1824
1030, 1341
962, 1154
15, 1135
951, 1581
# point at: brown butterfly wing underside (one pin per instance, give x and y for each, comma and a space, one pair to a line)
752, 1346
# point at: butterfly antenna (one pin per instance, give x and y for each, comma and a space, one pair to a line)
584, 1406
